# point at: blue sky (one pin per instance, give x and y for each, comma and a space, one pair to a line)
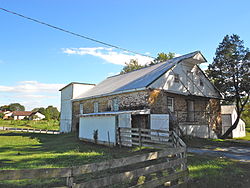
35, 60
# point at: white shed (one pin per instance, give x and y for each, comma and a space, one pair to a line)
69, 92
106, 124
229, 115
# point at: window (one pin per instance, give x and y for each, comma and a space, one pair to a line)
201, 83
96, 105
176, 78
115, 105
170, 103
81, 108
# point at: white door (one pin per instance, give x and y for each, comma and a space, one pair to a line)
124, 121
159, 122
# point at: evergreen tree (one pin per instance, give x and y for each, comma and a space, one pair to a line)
230, 73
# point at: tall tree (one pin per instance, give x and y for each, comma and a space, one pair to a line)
132, 65
230, 72
16, 107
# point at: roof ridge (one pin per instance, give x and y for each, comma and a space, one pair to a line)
197, 51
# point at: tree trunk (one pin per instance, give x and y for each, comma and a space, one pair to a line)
226, 134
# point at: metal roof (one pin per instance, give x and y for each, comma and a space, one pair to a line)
133, 80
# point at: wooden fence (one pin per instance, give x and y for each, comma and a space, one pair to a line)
148, 137
30, 130
170, 164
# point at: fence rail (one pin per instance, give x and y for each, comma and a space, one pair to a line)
148, 137
172, 160
30, 130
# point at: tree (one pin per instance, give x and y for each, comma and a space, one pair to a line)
1, 115
246, 114
132, 65
161, 57
13, 107
5, 108
51, 113
230, 73
41, 110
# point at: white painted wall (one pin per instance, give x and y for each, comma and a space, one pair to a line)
70, 92
66, 109
228, 120
79, 89
104, 125
19, 117
201, 131
39, 116
166, 81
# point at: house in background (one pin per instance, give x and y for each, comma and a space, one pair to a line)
7, 114
19, 115
152, 97
229, 115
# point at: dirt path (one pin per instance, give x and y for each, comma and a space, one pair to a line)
239, 153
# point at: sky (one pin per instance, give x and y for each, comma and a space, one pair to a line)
36, 61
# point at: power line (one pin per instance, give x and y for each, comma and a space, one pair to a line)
73, 33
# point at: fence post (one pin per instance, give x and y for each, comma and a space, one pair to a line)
46, 131
40, 130
119, 137
140, 139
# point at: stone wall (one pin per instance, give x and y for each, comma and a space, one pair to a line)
156, 101
127, 101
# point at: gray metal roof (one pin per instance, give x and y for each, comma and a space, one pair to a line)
136, 79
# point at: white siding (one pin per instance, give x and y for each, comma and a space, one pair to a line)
66, 109
104, 124
67, 94
190, 77
228, 120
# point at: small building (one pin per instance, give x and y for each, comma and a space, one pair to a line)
229, 115
19, 115
154, 97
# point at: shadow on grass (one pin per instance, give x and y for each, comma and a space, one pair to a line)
63, 150
207, 171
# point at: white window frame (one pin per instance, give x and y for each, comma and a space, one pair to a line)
96, 107
171, 108
81, 108
115, 105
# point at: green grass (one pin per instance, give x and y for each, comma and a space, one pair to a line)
42, 124
208, 171
27, 150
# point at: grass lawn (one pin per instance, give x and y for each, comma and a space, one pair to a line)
42, 124
216, 172
28, 150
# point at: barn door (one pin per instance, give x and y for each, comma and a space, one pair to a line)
124, 120
159, 122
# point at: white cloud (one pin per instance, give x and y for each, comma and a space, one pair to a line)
31, 94
31, 87
109, 54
